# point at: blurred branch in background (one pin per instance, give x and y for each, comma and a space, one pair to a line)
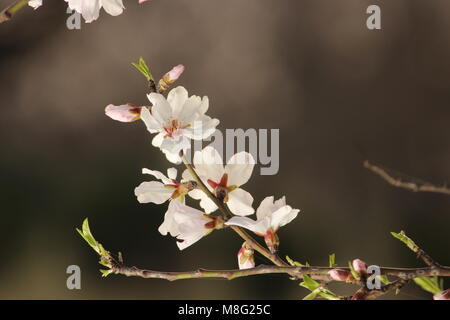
11, 10
412, 184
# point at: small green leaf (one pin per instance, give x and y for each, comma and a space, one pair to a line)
311, 296
309, 283
384, 279
295, 263
429, 284
143, 68
105, 273
332, 260
406, 240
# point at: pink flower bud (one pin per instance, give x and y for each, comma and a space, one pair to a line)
339, 274
443, 295
174, 74
359, 266
245, 257
142, 1
123, 113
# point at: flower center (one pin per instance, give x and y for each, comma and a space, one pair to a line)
221, 188
173, 126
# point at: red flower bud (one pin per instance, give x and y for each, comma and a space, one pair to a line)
359, 266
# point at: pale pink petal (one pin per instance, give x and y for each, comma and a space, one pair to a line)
123, 113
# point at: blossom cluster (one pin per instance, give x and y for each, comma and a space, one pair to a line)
217, 184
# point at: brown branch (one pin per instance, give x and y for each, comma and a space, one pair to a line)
410, 185
317, 273
7, 13
366, 294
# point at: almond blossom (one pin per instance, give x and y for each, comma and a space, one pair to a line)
223, 181
270, 217
90, 9
188, 224
168, 189
177, 120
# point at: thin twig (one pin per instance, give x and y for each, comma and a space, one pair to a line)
410, 185
7, 13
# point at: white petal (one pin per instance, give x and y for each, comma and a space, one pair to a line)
265, 208
175, 144
172, 173
161, 109
240, 202
189, 111
35, 3
176, 98
172, 157
247, 223
201, 128
113, 7
208, 164
151, 123
152, 191
169, 225
204, 106
90, 10
158, 139
239, 168
283, 216
158, 175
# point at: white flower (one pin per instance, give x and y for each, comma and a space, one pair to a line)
123, 113
187, 224
35, 3
245, 256
177, 120
90, 9
270, 217
223, 182
159, 192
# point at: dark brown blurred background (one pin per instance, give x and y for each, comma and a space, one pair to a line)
338, 92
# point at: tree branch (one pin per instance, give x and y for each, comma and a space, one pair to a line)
410, 185
317, 273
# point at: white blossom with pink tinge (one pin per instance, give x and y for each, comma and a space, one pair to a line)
187, 224
270, 217
90, 9
223, 181
177, 120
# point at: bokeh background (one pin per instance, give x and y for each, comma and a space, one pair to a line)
338, 92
